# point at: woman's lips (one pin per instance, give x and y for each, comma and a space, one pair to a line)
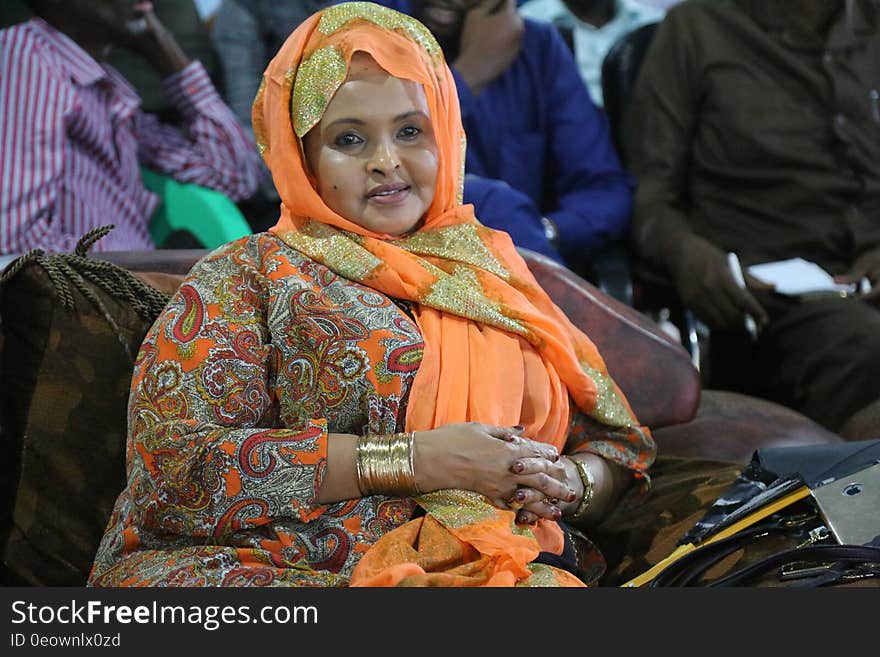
389, 194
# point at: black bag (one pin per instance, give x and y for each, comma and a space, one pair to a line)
773, 477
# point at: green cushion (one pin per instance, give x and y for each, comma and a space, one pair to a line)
209, 215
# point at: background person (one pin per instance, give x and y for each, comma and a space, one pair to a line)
753, 130
592, 26
74, 138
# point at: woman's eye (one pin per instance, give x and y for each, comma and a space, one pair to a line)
409, 132
347, 139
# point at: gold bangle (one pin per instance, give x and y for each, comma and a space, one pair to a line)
384, 464
359, 455
588, 480
411, 450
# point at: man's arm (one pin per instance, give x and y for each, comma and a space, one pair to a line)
208, 148
500, 206
659, 134
590, 191
32, 152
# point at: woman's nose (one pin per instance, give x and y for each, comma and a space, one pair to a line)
384, 158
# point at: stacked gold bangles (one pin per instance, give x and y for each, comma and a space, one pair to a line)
385, 464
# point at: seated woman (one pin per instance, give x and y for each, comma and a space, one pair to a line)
376, 391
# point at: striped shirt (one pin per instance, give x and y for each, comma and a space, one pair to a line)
73, 140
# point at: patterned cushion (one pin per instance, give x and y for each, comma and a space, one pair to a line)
63, 402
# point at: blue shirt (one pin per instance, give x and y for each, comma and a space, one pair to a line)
536, 128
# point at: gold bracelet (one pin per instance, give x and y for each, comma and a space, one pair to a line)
588, 480
359, 454
384, 464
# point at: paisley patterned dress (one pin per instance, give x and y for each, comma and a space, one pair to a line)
261, 353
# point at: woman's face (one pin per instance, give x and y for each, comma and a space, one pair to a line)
373, 153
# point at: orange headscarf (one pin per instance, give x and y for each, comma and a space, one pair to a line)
497, 350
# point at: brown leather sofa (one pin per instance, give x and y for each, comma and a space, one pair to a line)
65, 364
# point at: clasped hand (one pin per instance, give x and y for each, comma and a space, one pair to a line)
513, 471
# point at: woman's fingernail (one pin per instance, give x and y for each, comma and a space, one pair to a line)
508, 437
519, 427
556, 513
554, 500
571, 496
520, 496
519, 466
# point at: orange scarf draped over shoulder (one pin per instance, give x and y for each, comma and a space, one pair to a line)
497, 350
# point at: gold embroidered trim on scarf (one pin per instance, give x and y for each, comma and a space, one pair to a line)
321, 73
461, 294
459, 242
458, 292
334, 248
542, 576
455, 508
257, 120
319, 76
335, 17
609, 408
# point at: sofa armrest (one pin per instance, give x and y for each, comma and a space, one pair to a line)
730, 427
653, 370
167, 261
